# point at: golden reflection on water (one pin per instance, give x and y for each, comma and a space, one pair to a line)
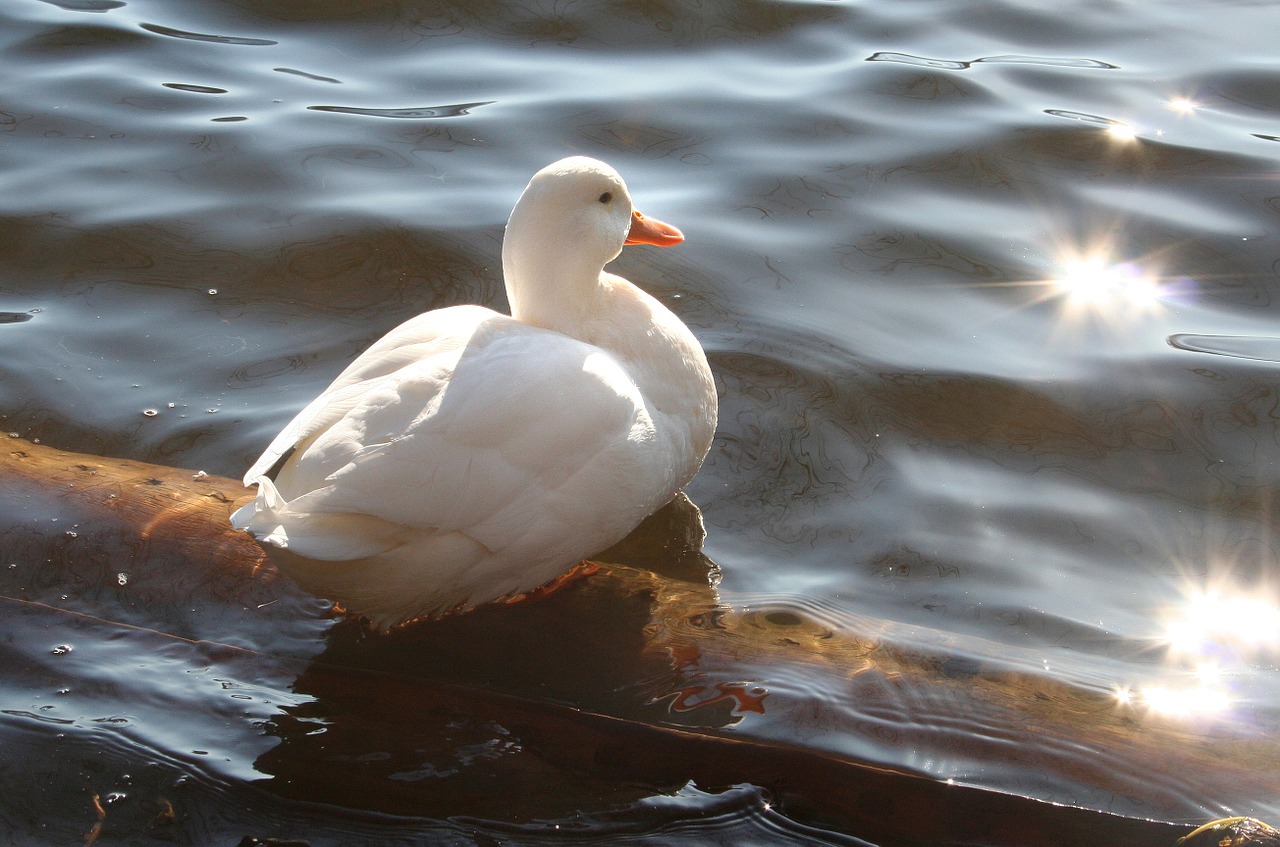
1204, 695
1122, 132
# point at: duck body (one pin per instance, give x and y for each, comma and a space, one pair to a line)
468, 455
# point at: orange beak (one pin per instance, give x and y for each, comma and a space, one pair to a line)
649, 231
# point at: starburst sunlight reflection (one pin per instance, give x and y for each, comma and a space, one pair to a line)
1092, 279
1095, 285
1213, 639
1247, 623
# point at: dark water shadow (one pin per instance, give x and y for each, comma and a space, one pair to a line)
414, 736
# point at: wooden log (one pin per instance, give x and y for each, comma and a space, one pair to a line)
1230, 832
142, 545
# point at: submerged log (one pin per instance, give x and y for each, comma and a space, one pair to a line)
1231, 832
627, 677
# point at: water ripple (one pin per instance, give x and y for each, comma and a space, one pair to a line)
741, 814
304, 74
1047, 61
418, 112
201, 36
1256, 348
86, 5
196, 89
908, 59
954, 65
1084, 117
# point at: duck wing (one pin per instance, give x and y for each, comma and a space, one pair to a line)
519, 435
426, 335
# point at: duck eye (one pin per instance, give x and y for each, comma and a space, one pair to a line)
606, 197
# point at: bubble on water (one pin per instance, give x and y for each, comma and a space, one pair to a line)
122, 578
200, 475
71, 533
151, 413
62, 649
213, 291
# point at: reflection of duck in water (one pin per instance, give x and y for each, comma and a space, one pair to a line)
469, 456
439, 715
587, 644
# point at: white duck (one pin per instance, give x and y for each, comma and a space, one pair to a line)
469, 456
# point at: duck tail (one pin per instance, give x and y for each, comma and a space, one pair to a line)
259, 517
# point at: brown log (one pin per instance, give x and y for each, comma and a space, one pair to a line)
1230, 832
75, 523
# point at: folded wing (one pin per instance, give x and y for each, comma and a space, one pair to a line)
486, 429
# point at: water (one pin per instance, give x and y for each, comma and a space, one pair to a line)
989, 294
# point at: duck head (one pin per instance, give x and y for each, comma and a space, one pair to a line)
573, 218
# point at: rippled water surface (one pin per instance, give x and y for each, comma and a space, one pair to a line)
990, 291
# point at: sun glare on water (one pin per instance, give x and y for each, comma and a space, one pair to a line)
1249, 622
1213, 639
1096, 283
1122, 132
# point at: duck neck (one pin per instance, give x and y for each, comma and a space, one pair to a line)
549, 284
